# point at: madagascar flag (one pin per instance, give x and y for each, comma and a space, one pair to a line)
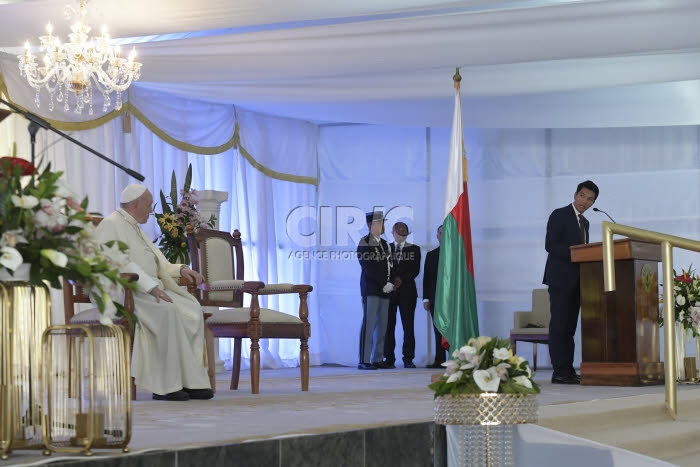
455, 295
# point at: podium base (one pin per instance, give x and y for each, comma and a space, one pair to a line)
622, 374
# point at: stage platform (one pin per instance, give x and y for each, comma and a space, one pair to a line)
363, 418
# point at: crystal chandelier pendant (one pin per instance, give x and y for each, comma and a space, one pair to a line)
79, 67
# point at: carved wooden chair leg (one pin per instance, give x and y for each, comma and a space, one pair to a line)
209, 344
255, 365
304, 364
236, 370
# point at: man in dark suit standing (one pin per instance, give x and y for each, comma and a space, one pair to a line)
374, 256
406, 266
566, 227
430, 273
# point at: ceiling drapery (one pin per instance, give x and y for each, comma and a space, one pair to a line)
532, 63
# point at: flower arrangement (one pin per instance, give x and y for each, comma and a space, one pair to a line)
485, 364
686, 301
177, 219
43, 227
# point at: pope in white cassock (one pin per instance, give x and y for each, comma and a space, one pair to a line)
168, 358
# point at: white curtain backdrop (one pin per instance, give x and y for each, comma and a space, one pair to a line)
648, 178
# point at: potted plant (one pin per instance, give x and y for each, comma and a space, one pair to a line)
486, 390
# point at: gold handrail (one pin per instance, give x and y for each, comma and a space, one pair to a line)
667, 242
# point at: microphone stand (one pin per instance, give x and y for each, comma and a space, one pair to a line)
600, 210
36, 122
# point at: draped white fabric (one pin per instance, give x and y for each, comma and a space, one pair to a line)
648, 178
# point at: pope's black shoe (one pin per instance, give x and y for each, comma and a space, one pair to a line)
172, 396
199, 394
569, 379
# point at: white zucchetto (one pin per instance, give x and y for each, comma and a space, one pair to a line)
132, 192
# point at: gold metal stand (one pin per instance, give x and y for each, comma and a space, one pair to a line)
86, 388
24, 314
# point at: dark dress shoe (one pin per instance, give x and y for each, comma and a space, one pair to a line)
199, 394
172, 396
385, 365
570, 379
366, 366
408, 364
435, 365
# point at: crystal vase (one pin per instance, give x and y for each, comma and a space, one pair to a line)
481, 427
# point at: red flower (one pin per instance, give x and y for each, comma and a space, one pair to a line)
685, 278
8, 164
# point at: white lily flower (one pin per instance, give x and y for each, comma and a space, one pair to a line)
502, 371
24, 202
450, 367
501, 354
10, 258
523, 381
466, 352
454, 377
12, 238
56, 257
680, 300
487, 380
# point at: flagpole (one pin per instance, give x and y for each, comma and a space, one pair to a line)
457, 78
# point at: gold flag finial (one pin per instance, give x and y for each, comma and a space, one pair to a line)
457, 78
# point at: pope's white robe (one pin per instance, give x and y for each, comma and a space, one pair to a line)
169, 337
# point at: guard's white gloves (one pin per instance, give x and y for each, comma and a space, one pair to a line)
388, 288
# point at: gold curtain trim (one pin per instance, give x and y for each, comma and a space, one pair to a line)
267, 171
127, 107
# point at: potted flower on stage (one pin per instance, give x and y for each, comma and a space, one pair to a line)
46, 235
686, 312
177, 219
486, 391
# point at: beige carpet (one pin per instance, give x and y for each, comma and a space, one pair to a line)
342, 398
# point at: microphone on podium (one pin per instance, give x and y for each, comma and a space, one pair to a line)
600, 210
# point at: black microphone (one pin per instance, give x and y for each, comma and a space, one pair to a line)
600, 210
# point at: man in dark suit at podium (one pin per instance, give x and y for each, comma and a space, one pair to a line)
406, 266
566, 227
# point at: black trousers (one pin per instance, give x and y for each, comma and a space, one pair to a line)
564, 305
406, 305
440, 352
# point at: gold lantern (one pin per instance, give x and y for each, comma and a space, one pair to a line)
86, 388
24, 315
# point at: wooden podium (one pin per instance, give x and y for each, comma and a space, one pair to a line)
620, 329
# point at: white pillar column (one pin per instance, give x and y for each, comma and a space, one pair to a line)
210, 204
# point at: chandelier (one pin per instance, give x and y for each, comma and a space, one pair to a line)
80, 67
